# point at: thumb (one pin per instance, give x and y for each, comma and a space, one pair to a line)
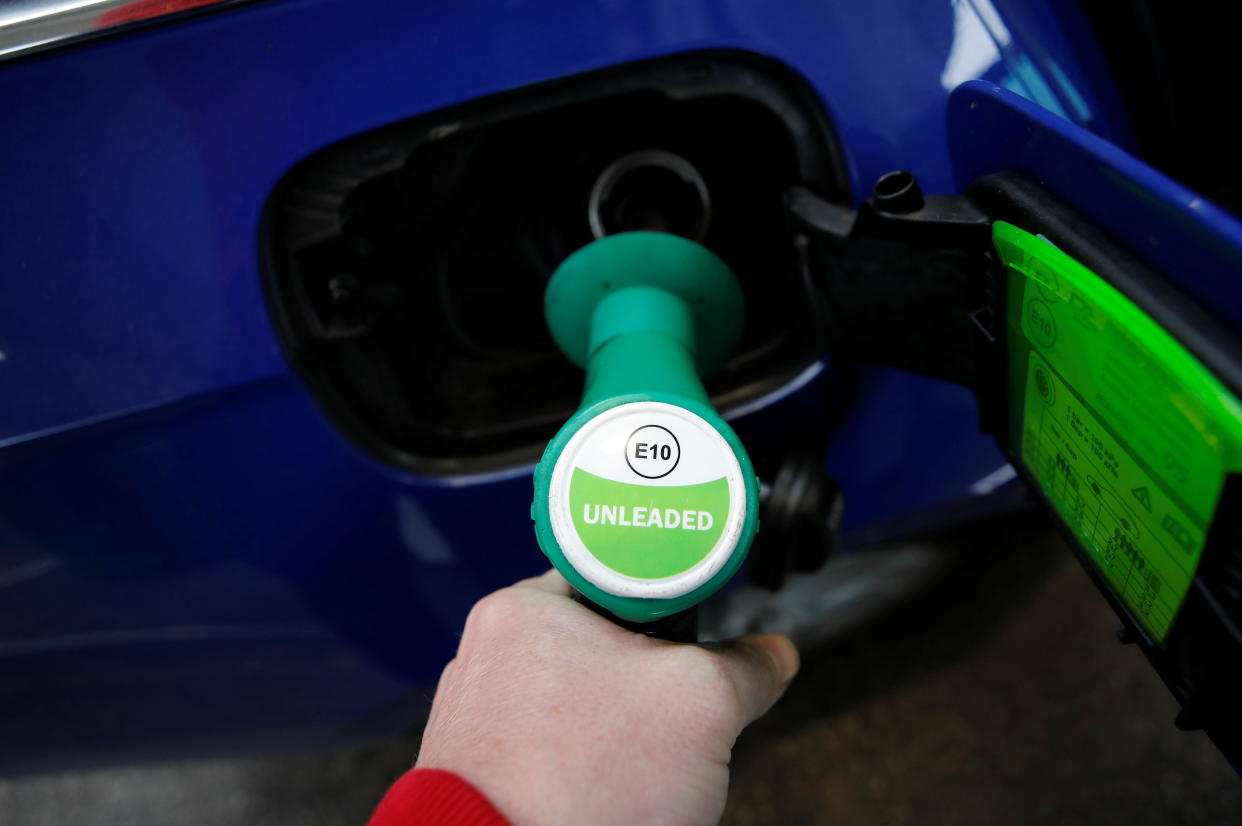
760, 667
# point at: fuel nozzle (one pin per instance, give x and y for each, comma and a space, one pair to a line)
645, 500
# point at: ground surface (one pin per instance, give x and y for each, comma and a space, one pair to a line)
999, 697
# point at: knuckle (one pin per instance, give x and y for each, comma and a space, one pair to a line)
490, 615
691, 661
710, 667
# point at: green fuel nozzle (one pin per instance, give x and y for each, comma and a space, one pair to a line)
645, 500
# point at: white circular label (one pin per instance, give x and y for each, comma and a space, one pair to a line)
647, 500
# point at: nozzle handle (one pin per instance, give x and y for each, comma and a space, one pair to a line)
645, 500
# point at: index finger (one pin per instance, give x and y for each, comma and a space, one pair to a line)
550, 582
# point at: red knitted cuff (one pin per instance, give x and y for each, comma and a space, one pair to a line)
432, 797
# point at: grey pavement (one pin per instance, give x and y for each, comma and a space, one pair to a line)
998, 696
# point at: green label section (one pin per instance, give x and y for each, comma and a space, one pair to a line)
1126, 433
647, 531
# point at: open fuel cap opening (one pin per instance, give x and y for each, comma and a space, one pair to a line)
647, 500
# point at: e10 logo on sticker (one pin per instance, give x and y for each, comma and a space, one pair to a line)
652, 451
1039, 323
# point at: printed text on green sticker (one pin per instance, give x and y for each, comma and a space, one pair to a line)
1126, 433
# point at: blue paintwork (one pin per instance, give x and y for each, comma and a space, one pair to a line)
191, 558
1176, 231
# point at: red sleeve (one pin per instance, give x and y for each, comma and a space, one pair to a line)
432, 797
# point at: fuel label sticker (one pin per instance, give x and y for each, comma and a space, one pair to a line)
1126, 433
647, 500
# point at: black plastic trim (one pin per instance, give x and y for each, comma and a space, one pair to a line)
318, 191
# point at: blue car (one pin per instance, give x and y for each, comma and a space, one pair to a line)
274, 374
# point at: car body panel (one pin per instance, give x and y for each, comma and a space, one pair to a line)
1195, 244
192, 558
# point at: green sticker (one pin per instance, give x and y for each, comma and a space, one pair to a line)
647, 531
1126, 433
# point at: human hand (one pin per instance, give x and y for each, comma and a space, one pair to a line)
562, 717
